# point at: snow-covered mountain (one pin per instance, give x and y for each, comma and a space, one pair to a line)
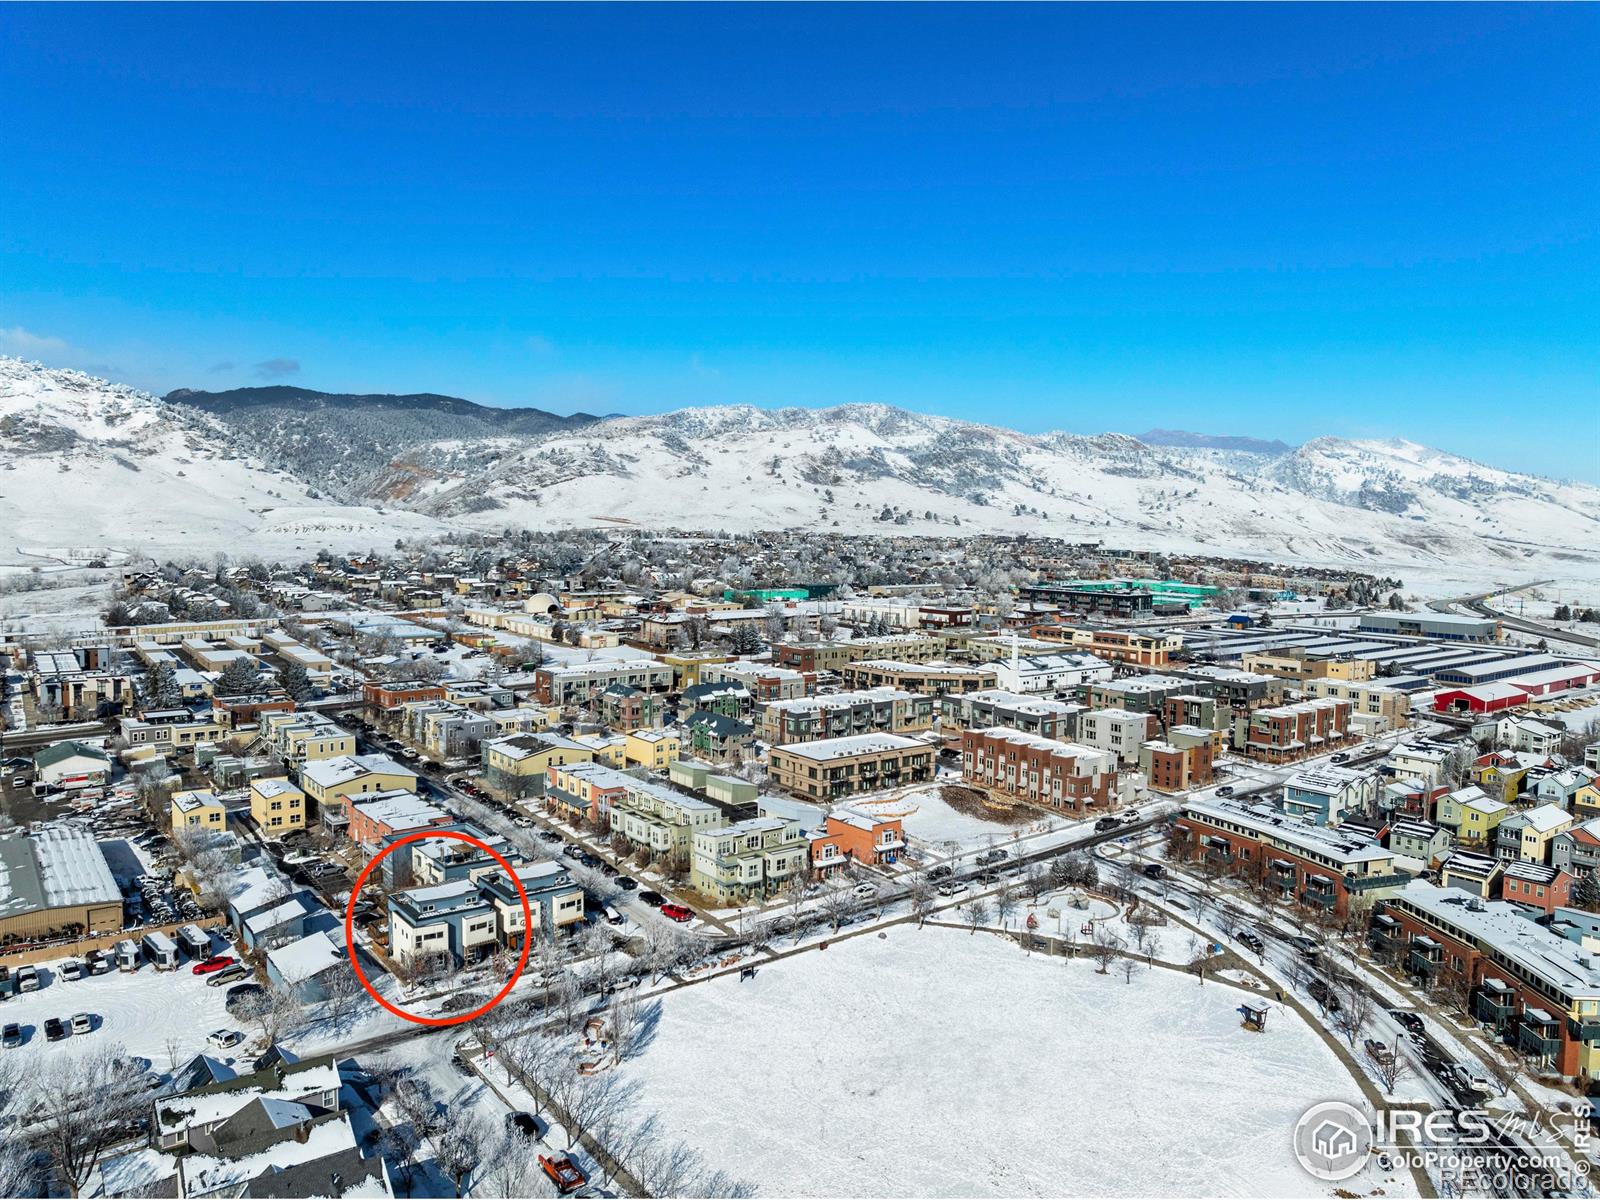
187, 476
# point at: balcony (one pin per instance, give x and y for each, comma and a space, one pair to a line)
1367, 883
1586, 1029
1493, 1007
1539, 1040
1424, 962
1321, 897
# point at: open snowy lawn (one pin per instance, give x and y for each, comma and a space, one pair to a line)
143, 1010
937, 1063
927, 818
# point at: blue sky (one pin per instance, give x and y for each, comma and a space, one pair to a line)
1287, 221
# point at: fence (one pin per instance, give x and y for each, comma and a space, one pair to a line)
77, 947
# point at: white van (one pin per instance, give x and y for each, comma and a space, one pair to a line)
612, 916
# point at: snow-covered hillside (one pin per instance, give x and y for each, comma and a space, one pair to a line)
83, 461
88, 463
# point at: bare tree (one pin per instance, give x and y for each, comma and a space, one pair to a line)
509, 1170
921, 896
836, 906
587, 1103
344, 994
398, 1143
1005, 904
1388, 1065
458, 1149
271, 1011
1129, 968
1106, 946
85, 1104
977, 913
1355, 1012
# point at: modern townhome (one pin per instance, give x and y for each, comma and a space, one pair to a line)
172, 729
1132, 646
837, 767
1577, 849
445, 729
370, 820
928, 678
584, 792
1118, 731
1526, 836
831, 656
1293, 731
764, 681
1011, 765
653, 749
1143, 694
848, 836
1421, 761
1375, 707
578, 683
876, 710
1471, 816
1422, 840
1530, 986
445, 859
554, 901
624, 706
750, 859
1181, 761
662, 820
995, 706
1536, 886
730, 699
453, 921
1339, 870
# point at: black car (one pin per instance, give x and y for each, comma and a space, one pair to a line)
550, 835
1153, 870
609, 871
653, 898
1249, 939
989, 877
1323, 995
55, 1030
940, 872
627, 883
1410, 1020
524, 1123
241, 994
1105, 823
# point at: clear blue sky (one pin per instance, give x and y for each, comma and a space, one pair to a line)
1288, 221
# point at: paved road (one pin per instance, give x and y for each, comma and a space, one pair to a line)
1480, 604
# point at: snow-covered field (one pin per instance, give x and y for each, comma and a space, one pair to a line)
927, 818
939, 1063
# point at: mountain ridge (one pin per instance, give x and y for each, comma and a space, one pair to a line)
270, 471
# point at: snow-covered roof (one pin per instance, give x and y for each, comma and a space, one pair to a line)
54, 867
845, 747
331, 772
307, 957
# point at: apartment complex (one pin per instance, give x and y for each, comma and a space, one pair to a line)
928, 679
876, 710
995, 706
1293, 731
837, 767
579, 683
661, 819
747, 860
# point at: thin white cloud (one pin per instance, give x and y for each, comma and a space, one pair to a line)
24, 343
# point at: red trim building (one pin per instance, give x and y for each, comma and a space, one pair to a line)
1038, 770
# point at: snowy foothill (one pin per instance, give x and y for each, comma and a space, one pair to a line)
997, 1073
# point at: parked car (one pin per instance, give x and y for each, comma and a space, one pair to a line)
11, 1036
1251, 940
524, 1123
1105, 823
655, 898
27, 979
1153, 870
82, 1023
1225, 790
609, 871
224, 1039
550, 835
217, 962
241, 994
864, 890
71, 969
55, 1030
939, 872
1323, 995
627, 883
562, 1172
227, 975
677, 912
1409, 1020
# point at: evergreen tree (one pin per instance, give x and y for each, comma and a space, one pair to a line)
1586, 892
296, 682
161, 688
239, 678
745, 638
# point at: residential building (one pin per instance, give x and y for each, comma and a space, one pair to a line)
198, 810
1323, 867
876, 710
624, 706
1419, 761
444, 729
1387, 708
652, 748
1293, 731
836, 767
765, 682
1422, 840
584, 792
1537, 886
517, 765
1527, 835
1039, 715
1050, 674
750, 859
1295, 664
718, 738
173, 729
1011, 765
928, 678
1531, 986
1117, 730
579, 683
277, 806
448, 921
661, 820
1136, 647
328, 782
731, 699
1471, 816
1181, 761
381, 697
370, 820
1325, 794
1143, 694
554, 901
1576, 849
1476, 873
301, 737
847, 836
1521, 733
831, 656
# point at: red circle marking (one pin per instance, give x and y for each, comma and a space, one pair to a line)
350, 913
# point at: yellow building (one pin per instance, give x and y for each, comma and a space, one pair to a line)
328, 782
610, 749
653, 748
1295, 665
1586, 802
520, 761
1472, 815
277, 806
198, 809
301, 737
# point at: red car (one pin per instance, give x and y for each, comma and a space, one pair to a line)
217, 962
677, 912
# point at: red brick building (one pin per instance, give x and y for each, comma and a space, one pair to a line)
1038, 770
1293, 731
849, 836
379, 697
1536, 886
